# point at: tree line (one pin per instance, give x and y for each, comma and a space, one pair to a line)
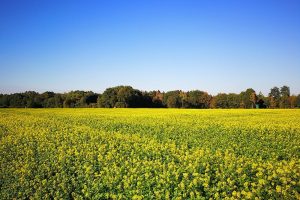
128, 97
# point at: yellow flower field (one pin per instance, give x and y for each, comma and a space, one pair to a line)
149, 154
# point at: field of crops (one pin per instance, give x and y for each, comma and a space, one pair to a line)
149, 154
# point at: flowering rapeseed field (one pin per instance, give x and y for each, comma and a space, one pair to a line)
149, 154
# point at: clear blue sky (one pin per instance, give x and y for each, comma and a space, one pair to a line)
215, 46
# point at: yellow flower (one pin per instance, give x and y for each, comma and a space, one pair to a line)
239, 170
261, 181
278, 188
234, 193
137, 197
249, 195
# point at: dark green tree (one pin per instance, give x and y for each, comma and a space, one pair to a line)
69, 103
153, 99
49, 103
298, 101
109, 98
292, 101
284, 97
221, 101
89, 99
73, 99
58, 100
17, 100
265, 100
248, 98
4, 100
30, 98
172, 99
233, 100
197, 99
126, 95
274, 96
285, 91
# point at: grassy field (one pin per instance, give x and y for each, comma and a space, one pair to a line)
149, 154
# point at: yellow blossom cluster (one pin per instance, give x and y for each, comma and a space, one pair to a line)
149, 154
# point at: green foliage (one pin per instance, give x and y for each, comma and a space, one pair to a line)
285, 91
124, 97
221, 101
234, 100
274, 97
284, 97
4, 100
108, 98
298, 101
248, 98
155, 98
172, 99
128, 97
198, 99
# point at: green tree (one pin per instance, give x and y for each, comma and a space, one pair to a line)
89, 99
126, 95
58, 100
233, 100
49, 103
298, 101
69, 103
274, 96
30, 97
285, 91
17, 100
265, 100
284, 97
121, 104
73, 99
156, 99
197, 99
184, 98
4, 100
172, 99
221, 101
292, 101
248, 98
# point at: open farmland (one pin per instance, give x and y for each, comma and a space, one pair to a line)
149, 154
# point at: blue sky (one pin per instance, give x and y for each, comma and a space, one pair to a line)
215, 46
